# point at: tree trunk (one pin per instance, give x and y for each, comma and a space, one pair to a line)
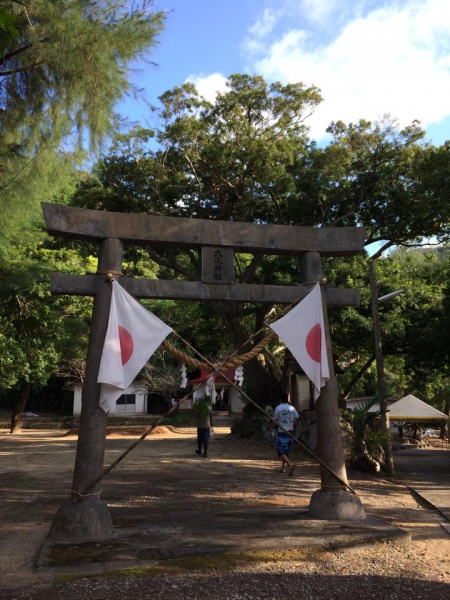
257, 378
385, 427
18, 408
348, 388
444, 424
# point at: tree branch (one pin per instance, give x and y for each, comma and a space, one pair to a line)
348, 388
171, 263
339, 219
21, 69
250, 270
10, 55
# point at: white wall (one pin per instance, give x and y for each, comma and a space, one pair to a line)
140, 407
303, 394
236, 404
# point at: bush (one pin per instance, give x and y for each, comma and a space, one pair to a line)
366, 449
181, 420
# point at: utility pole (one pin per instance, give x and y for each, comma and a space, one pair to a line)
387, 447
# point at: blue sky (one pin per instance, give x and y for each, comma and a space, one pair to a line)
369, 57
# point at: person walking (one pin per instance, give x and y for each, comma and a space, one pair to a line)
286, 416
203, 414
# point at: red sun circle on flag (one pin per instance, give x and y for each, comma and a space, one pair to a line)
126, 344
313, 342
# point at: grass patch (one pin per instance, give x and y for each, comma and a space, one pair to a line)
199, 564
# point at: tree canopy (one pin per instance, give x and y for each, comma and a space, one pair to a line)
248, 157
61, 78
413, 325
382, 177
38, 329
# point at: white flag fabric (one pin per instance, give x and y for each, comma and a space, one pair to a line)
303, 332
133, 335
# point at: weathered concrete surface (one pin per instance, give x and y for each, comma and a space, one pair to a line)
80, 223
136, 540
86, 285
336, 505
427, 472
88, 519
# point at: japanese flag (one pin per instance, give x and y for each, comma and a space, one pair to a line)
303, 332
133, 335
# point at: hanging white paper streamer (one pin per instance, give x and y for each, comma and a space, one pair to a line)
184, 380
210, 386
239, 375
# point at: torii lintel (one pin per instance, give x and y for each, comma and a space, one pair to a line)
141, 229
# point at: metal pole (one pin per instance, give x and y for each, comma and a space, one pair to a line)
388, 459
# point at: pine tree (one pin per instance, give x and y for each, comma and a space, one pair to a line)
60, 81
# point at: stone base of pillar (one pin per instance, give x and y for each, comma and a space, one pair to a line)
85, 521
336, 506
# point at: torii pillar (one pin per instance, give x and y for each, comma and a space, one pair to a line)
85, 516
332, 501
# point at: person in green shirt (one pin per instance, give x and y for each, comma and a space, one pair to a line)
203, 414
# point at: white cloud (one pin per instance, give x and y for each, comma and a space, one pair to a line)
318, 10
265, 24
253, 43
394, 59
208, 85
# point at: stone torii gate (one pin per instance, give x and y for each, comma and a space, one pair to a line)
85, 516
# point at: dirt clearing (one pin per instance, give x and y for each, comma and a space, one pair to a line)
163, 476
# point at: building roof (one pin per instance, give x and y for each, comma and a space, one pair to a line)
218, 377
352, 403
411, 408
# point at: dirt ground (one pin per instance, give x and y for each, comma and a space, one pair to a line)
163, 474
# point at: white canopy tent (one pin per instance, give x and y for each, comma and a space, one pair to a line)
411, 408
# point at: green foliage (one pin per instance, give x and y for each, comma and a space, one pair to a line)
202, 407
13, 361
364, 418
8, 33
224, 161
413, 325
38, 328
69, 66
367, 444
379, 176
61, 79
181, 420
